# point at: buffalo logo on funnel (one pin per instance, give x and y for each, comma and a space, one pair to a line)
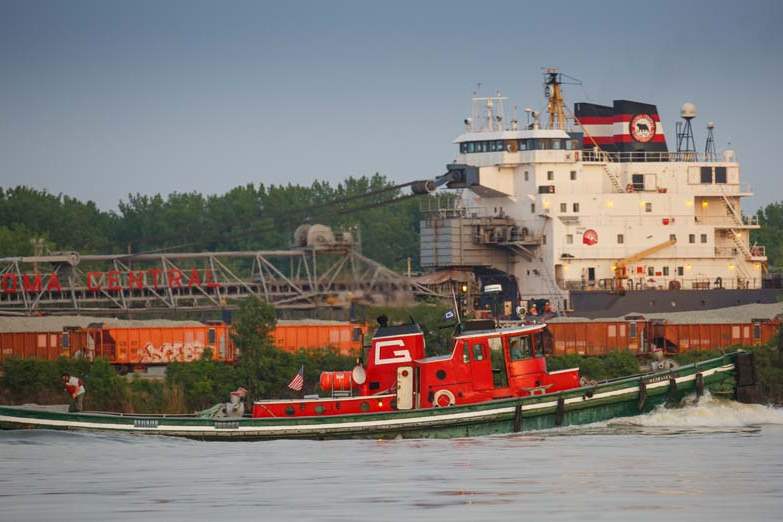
642, 128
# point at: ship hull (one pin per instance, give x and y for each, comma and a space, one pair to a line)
598, 303
619, 398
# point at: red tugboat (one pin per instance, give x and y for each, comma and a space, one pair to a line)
486, 363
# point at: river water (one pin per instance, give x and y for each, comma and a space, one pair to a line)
716, 460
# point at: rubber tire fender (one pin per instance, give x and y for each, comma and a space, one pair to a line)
443, 393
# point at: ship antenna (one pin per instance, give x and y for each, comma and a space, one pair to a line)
684, 130
553, 82
710, 154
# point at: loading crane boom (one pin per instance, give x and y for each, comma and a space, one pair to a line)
620, 269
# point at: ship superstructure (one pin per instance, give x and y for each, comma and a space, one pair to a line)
592, 201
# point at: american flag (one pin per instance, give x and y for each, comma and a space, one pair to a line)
297, 383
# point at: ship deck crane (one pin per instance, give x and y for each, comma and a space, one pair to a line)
620, 268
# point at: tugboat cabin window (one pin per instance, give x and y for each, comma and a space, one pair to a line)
478, 352
519, 348
637, 180
498, 359
465, 352
543, 344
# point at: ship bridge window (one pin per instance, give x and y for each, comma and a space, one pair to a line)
519, 348
720, 174
706, 174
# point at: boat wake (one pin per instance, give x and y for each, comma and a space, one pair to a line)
707, 412
707, 415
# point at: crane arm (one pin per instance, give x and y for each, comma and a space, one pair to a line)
645, 253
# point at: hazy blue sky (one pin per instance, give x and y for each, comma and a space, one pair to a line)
99, 99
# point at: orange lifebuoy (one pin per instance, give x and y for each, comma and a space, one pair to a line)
512, 146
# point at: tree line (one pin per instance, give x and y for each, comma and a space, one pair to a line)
770, 234
249, 217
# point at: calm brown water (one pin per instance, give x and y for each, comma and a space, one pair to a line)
717, 461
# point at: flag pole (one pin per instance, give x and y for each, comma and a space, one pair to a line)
456, 306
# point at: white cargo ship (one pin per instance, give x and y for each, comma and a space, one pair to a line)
591, 210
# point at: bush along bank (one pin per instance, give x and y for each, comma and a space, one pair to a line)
188, 387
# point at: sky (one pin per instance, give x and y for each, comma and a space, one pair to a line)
102, 99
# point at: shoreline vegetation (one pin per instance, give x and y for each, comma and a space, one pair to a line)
265, 371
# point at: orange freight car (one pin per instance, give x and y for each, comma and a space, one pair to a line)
31, 345
150, 345
640, 336
711, 336
132, 343
346, 337
596, 337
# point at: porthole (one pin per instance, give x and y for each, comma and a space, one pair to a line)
364, 406
440, 374
290, 410
319, 410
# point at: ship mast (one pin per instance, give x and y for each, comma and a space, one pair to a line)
555, 106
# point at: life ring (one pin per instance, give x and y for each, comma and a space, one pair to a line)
512, 146
440, 394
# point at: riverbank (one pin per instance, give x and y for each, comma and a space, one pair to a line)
187, 387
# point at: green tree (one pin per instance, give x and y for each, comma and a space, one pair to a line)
261, 367
770, 235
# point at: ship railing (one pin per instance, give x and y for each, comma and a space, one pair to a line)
755, 251
601, 156
726, 221
664, 283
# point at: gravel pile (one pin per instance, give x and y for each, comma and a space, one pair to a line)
734, 314
57, 323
